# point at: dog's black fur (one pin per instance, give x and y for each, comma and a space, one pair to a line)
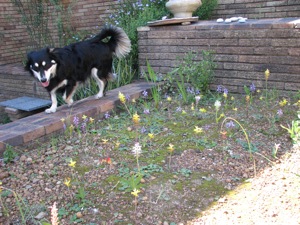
63, 69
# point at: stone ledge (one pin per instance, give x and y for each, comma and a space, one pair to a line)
26, 130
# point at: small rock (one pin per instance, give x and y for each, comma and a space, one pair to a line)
40, 216
29, 160
165, 223
4, 175
79, 215
23, 158
228, 21
220, 20
48, 190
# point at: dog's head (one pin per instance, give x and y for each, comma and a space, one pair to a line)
42, 65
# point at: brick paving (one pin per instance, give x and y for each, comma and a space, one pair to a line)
42, 125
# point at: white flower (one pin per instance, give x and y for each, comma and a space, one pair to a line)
198, 97
137, 149
217, 104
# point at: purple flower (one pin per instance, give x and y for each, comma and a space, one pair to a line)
146, 111
76, 121
252, 88
178, 109
206, 127
279, 112
127, 96
219, 89
83, 127
143, 130
230, 124
190, 90
225, 91
106, 115
145, 93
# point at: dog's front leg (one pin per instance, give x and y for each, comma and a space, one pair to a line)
53, 107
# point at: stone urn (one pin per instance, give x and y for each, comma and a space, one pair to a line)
183, 8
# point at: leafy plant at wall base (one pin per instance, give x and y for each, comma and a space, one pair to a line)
151, 77
9, 154
199, 73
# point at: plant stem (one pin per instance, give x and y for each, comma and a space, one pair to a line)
247, 138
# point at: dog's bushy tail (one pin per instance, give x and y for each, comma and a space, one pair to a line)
119, 42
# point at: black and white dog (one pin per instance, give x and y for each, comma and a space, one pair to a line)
63, 69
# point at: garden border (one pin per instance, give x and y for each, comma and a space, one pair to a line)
29, 129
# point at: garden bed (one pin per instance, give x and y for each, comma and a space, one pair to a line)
158, 162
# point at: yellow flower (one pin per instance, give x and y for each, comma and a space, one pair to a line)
91, 120
225, 95
151, 135
198, 130
267, 74
136, 118
258, 91
261, 98
135, 192
122, 98
169, 99
234, 109
283, 102
171, 148
62, 120
117, 144
72, 163
84, 117
133, 101
247, 98
232, 98
0, 187
192, 107
67, 182
203, 110
183, 112
222, 115
104, 141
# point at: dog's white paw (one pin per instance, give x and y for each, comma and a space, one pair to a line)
99, 95
50, 110
70, 102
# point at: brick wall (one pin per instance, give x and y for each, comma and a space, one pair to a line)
242, 51
13, 36
258, 9
15, 82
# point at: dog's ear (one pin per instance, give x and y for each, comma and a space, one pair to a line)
28, 61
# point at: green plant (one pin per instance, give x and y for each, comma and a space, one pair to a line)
131, 14
155, 90
205, 11
198, 73
294, 130
249, 146
36, 16
9, 154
